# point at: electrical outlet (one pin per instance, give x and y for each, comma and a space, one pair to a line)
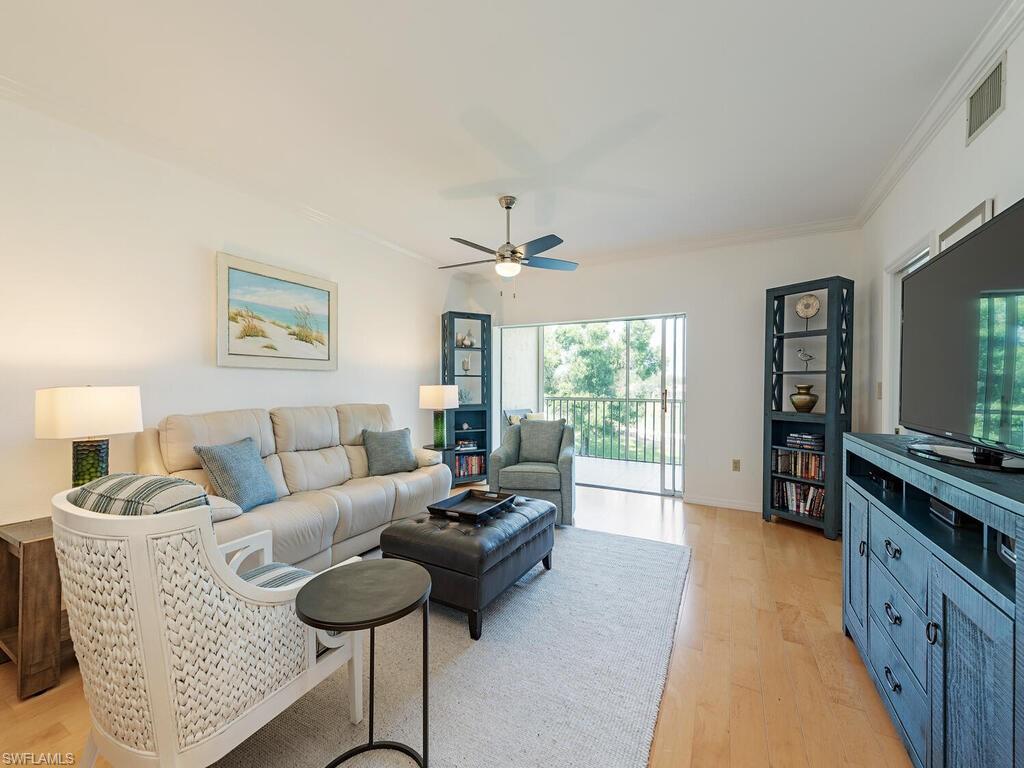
735, 465
878, 391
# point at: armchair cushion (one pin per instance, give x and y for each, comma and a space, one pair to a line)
540, 440
237, 473
274, 575
530, 476
389, 452
126, 493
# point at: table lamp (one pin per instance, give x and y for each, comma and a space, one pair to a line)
439, 398
85, 415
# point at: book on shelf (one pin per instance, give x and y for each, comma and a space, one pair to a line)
799, 498
809, 466
469, 466
806, 440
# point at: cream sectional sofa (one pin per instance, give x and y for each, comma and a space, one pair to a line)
329, 507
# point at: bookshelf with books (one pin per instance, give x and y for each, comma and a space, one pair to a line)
803, 449
466, 362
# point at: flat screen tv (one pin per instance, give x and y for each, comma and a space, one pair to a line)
962, 354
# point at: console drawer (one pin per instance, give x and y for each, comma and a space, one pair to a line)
901, 689
901, 554
901, 620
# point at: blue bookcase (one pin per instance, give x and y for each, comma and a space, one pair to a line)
466, 362
828, 336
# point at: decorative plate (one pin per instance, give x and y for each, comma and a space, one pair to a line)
807, 306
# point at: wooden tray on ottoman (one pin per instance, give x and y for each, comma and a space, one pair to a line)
472, 506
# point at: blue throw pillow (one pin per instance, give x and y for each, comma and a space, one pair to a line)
389, 452
237, 473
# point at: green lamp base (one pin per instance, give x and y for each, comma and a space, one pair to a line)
89, 461
440, 429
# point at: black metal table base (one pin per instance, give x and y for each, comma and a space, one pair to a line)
371, 745
363, 748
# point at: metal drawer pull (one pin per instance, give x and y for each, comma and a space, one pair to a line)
931, 632
861, 547
894, 684
892, 550
891, 615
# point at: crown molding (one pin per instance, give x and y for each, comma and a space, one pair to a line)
693, 245
1001, 30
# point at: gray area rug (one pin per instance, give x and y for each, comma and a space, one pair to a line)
569, 672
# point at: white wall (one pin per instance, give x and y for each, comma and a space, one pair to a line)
721, 291
947, 180
108, 278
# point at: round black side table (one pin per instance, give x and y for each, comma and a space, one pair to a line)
366, 595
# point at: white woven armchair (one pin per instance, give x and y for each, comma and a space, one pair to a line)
181, 659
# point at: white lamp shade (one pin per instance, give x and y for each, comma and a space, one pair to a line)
439, 397
78, 412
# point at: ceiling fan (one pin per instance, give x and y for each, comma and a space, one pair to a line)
508, 259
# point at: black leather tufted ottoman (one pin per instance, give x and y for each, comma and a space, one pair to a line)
470, 565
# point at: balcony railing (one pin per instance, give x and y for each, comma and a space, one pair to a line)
621, 428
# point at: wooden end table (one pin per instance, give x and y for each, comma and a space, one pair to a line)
34, 631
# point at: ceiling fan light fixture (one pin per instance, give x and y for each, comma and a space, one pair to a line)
508, 267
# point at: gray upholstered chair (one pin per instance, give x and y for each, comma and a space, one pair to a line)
536, 459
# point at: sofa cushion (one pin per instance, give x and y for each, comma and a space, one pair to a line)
179, 433
363, 504
274, 575
271, 462
353, 419
222, 509
357, 460
426, 457
530, 476
237, 473
304, 429
540, 440
302, 525
128, 494
415, 490
313, 470
389, 452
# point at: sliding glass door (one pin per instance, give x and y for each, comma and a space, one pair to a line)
619, 383
673, 412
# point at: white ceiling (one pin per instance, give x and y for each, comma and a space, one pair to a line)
622, 126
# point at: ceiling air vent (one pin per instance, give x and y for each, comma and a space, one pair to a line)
987, 100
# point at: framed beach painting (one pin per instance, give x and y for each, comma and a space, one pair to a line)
269, 317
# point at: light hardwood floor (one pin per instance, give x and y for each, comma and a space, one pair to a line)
760, 675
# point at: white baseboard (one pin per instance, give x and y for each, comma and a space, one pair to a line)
710, 501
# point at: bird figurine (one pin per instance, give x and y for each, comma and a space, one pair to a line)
805, 357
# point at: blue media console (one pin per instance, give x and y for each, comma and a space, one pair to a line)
932, 608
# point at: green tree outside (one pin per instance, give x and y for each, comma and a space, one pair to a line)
588, 360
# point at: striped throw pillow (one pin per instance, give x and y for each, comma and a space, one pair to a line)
274, 575
128, 494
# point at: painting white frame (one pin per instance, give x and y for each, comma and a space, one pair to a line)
225, 262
